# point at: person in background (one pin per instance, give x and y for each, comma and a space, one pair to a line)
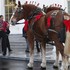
8, 43
24, 35
3, 26
3, 35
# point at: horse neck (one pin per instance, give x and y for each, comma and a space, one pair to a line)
31, 10
28, 10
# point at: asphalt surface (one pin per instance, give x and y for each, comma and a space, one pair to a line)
18, 59
18, 46
22, 65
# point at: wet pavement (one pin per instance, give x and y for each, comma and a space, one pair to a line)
22, 65
18, 45
18, 59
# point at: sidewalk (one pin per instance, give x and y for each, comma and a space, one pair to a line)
18, 46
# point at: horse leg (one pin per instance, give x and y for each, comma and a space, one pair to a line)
59, 48
65, 63
56, 64
30, 38
43, 47
30, 64
37, 46
66, 51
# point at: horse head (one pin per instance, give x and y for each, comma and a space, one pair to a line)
25, 11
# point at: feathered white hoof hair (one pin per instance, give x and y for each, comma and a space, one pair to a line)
30, 65
56, 65
43, 65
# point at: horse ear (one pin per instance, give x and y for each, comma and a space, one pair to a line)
19, 4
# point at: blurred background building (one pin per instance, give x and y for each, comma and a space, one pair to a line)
7, 7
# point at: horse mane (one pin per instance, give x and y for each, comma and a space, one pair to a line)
48, 9
29, 6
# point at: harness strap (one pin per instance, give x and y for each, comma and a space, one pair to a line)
52, 30
50, 22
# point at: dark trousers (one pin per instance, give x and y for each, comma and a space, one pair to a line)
8, 43
4, 41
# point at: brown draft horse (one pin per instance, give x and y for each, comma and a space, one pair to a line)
67, 44
39, 29
55, 9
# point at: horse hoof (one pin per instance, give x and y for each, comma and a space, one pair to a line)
31, 68
30, 65
43, 68
55, 67
43, 65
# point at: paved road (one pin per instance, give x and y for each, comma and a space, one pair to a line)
18, 45
22, 65
19, 58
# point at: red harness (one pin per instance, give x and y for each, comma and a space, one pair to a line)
26, 25
67, 24
37, 17
49, 22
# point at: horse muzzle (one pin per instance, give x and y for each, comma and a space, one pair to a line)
13, 21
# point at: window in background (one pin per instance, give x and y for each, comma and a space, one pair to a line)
9, 6
69, 6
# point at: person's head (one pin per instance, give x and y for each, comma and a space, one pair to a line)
1, 17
